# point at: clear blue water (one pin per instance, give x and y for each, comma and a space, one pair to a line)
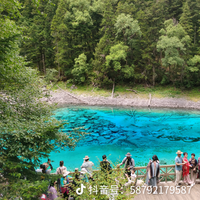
116, 131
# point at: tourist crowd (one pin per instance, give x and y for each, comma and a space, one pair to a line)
188, 169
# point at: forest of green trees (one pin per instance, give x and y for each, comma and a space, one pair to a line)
100, 42
88, 42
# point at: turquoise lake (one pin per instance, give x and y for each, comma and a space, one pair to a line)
142, 132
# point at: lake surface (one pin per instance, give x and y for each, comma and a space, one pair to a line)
116, 131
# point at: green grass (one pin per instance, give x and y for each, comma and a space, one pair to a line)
142, 91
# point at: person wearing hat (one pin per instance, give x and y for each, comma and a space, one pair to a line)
64, 181
128, 163
178, 167
83, 175
105, 165
87, 165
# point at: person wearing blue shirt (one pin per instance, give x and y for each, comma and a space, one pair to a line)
178, 167
64, 182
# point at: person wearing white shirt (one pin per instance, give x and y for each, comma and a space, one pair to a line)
60, 170
87, 165
132, 179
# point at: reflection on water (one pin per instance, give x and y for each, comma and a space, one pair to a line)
142, 132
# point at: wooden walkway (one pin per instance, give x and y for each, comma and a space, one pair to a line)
193, 195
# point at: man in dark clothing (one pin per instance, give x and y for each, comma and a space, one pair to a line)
105, 165
129, 164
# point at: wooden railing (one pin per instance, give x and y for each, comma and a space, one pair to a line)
167, 172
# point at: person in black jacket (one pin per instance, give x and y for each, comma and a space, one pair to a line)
128, 163
105, 165
193, 168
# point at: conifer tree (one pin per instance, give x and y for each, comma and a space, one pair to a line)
186, 20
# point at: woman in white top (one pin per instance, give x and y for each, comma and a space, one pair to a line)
61, 168
60, 171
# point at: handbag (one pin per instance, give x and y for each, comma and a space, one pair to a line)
63, 190
195, 171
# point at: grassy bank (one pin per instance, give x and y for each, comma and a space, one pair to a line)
142, 92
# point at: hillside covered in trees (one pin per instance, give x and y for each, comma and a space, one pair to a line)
85, 42
100, 42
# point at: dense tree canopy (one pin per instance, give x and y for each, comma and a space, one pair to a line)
98, 42
62, 31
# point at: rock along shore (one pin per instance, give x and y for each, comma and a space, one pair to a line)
62, 97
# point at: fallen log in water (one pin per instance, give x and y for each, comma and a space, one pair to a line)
132, 90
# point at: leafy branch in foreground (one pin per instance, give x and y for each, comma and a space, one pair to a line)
28, 131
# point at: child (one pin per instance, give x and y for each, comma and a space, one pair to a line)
132, 179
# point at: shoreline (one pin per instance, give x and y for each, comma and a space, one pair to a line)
64, 98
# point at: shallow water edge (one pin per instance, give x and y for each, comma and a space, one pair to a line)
114, 131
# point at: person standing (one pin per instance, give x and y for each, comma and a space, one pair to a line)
83, 175
41, 170
64, 181
76, 175
60, 171
128, 163
48, 164
193, 169
186, 169
153, 173
178, 167
52, 193
198, 164
105, 165
87, 165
